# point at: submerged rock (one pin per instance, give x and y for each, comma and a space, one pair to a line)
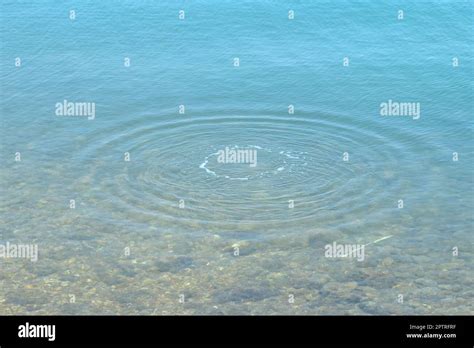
174, 264
244, 248
319, 238
43, 269
244, 295
27, 297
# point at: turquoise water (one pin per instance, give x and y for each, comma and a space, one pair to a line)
158, 233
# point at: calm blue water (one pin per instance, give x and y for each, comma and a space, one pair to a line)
166, 224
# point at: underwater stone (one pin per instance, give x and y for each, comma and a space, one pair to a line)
243, 295
174, 264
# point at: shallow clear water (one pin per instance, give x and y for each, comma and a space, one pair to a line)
168, 222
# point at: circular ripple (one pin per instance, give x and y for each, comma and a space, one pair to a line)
174, 178
251, 162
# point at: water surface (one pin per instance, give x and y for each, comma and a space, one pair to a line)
166, 224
